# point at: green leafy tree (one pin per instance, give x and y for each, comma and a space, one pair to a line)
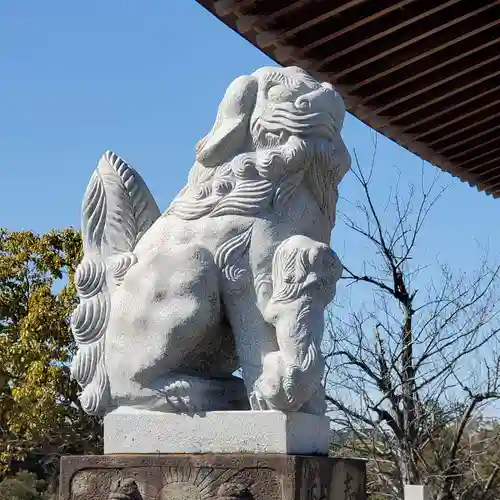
24, 486
40, 416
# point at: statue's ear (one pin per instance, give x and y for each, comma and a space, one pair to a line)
231, 127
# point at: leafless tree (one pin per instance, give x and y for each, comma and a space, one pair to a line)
411, 370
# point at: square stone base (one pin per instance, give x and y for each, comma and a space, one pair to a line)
416, 492
127, 430
211, 476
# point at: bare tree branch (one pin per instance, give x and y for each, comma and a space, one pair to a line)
399, 372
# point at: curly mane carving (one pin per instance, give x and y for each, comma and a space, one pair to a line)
235, 274
257, 153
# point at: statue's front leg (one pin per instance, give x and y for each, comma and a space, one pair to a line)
304, 274
254, 337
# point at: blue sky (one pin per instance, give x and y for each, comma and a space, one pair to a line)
144, 79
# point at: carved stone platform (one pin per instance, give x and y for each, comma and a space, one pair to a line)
128, 430
211, 476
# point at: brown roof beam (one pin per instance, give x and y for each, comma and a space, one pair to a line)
389, 50
445, 110
225, 7
442, 96
485, 176
418, 74
477, 157
494, 187
456, 120
300, 52
471, 138
420, 149
461, 130
477, 146
425, 53
419, 87
392, 29
406, 96
260, 22
266, 39
494, 193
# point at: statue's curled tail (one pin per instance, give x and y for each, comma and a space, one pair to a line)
117, 210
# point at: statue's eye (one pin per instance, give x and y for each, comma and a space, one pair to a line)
279, 93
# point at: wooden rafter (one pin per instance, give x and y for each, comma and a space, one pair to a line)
426, 77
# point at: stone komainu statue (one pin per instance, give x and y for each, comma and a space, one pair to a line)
235, 274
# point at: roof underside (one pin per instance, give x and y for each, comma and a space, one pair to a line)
424, 73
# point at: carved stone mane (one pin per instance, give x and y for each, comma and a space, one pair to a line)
258, 153
159, 310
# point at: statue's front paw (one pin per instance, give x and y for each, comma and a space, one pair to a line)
177, 396
257, 402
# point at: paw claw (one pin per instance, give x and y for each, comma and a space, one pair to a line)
176, 396
258, 403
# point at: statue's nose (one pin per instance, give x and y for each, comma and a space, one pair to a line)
324, 99
316, 100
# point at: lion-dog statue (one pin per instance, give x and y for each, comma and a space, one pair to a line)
235, 275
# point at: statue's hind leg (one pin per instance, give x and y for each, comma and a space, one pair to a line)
165, 307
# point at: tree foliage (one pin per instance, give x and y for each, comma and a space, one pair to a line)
39, 411
24, 486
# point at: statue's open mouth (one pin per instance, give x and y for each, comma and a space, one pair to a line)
267, 138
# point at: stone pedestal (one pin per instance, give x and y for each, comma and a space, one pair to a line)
127, 430
416, 492
211, 476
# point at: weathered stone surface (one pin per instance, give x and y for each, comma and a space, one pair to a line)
416, 492
203, 477
235, 274
127, 430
